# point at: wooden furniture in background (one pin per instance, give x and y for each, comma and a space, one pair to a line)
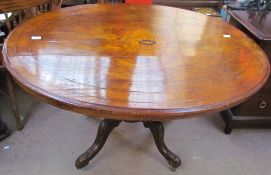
206, 7
146, 2
110, 1
66, 3
189, 3
256, 111
173, 3
126, 67
21, 11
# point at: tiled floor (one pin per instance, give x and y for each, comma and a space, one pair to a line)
53, 138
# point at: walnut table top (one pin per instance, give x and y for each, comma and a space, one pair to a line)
135, 62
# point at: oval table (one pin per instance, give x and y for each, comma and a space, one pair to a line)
134, 63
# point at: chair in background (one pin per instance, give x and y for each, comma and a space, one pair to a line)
20, 11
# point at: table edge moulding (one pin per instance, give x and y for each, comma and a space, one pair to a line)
119, 112
243, 76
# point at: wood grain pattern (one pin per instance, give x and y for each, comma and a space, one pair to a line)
135, 62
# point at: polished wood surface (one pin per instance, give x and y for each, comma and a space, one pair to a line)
258, 23
135, 62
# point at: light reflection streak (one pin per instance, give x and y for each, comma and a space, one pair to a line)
75, 73
142, 75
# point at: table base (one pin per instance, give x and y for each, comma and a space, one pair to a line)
105, 128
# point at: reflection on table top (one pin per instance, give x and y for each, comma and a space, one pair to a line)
135, 62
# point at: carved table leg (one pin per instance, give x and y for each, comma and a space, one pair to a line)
105, 128
157, 130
